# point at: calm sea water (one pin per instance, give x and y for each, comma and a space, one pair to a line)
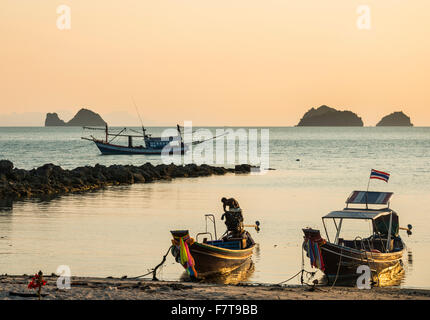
125, 230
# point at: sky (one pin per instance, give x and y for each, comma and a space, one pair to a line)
214, 62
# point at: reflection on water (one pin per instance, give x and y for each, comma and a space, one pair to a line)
257, 252
392, 276
410, 258
6, 205
238, 275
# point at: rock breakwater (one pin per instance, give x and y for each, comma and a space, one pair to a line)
51, 180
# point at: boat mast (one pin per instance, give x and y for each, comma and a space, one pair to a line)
107, 133
367, 192
140, 118
179, 132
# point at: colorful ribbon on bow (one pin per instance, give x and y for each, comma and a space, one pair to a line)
187, 259
314, 252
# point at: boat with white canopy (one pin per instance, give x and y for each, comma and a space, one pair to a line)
382, 251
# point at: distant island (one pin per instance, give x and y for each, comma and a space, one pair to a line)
395, 119
84, 117
326, 116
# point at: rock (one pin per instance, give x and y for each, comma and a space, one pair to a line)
138, 177
120, 174
219, 170
394, 119
242, 168
46, 170
326, 116
6, 167
84, 117
52, 120
50, 180
19, 174
6, 204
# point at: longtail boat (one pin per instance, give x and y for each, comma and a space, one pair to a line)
382, 251
206, 258
151, 145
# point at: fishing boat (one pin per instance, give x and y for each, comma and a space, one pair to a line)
150, 145
208, 258
382, 251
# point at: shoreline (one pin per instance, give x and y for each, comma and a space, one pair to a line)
93, 288
51, 180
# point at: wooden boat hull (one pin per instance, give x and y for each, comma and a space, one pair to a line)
211, 260
111, 149
341, 262
236, 276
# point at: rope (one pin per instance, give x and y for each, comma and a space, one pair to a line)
338, 268
135, 131
143, 275
291, 277
154, 270
302, 271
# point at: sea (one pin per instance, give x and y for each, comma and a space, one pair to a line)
125, 230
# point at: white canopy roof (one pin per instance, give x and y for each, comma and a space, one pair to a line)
358, 214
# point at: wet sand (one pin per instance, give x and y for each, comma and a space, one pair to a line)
86, 288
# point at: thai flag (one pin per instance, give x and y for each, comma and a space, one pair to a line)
375, 174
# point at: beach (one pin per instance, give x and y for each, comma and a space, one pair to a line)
92, 288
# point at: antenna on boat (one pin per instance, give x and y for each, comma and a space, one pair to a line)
367, 192
140, 118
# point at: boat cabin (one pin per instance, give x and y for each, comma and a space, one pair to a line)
159, 142
385, 222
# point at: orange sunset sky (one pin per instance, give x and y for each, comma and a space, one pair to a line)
215, 62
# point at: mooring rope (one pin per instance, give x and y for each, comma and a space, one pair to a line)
291, 277
302, 271
154, 270
338, 268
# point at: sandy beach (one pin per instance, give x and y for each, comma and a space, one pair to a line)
86, 288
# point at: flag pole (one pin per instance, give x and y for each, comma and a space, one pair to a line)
368, 183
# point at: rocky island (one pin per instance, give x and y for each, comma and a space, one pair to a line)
395, 119
84, 117
326, 116
50, 180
